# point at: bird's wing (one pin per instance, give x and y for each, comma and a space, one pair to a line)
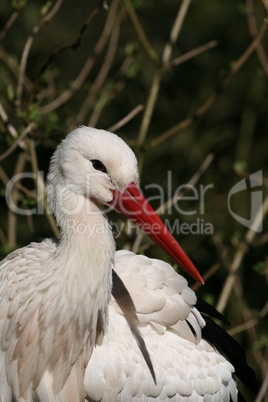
226, 345
19, 329
186, 366
161, 296
33, 334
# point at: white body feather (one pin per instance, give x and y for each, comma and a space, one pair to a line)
187, 368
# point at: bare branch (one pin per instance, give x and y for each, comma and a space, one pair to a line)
3, 176
253, 32
193, 53
11, 216
9, 23
9, 126
175, 30
3, 238
13, 68
152, 98
18, 142
41, 189
79, 80
100, 79
47, 17
208, 274
149, 108
73, 45
141, 34
250, 323
251, 330
238, 258
168, 204
106, 96
206, 106
265, 5
264, 386
126, 119
28, 46
248, 52
191, 183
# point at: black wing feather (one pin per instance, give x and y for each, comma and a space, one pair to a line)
124, 300
207, 309
226, 345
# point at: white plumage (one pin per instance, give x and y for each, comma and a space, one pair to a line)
187, 368
63, 337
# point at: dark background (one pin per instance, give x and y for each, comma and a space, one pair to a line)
214, 104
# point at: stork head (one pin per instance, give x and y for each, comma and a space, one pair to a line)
99, 166
93, 163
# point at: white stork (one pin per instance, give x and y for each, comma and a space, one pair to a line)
79, 321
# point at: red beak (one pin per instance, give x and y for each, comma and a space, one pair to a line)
131, 203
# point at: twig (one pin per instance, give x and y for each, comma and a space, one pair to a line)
66, 95
100, 104
12, 66
18, 142
191, 183
3, 238
6, 122
262, 241
41, 189
206, 106
208, 274
246, 174
11, 216
222, 250
26, 191
253, 32
153, 95
149, 108
248, 52
48, 16
9, 23
3, 176
126, 119
73, 45
168, 204
264, 386
102, 74
251, 330
238, 258
175, 30
141, 34
106, 96
79, 80
28, 46
265, 5
250, 323
23, 62
193, 53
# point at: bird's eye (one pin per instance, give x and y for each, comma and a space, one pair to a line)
98, 165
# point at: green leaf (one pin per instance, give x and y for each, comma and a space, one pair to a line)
45, 9
261, 342
261, 267
240, 166
10, 92
18, 4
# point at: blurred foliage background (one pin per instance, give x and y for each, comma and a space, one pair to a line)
185, 84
